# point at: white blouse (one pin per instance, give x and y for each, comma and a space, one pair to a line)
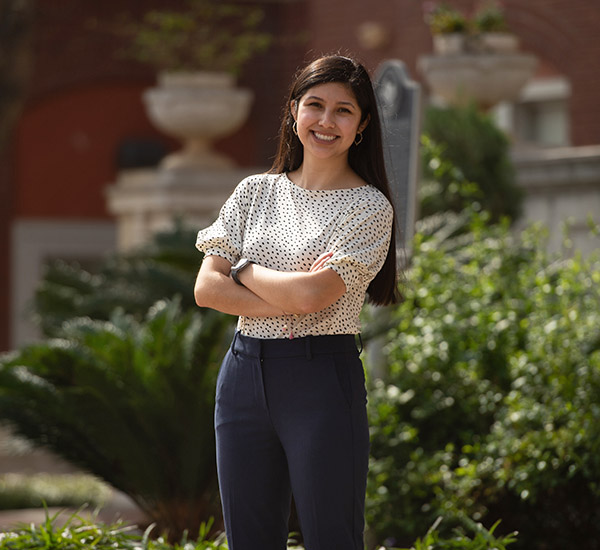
277, 224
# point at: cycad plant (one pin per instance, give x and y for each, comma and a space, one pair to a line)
133, 281
130, 402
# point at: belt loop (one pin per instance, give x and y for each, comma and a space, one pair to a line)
361, 344
235, 336
308, 349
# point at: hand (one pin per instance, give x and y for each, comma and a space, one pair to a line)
320, 262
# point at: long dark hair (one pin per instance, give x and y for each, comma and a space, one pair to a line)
366, 159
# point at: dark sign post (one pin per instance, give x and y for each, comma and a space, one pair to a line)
399, 102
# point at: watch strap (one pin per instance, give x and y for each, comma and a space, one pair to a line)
238, 268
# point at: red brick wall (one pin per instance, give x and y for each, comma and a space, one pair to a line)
66, 147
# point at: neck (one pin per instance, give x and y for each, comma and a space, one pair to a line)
318, 176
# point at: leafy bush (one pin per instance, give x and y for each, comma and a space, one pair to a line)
479, 153
129, 401
491, 408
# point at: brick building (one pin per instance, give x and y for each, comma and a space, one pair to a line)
84, 108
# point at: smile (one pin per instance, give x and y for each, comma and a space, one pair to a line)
324, 137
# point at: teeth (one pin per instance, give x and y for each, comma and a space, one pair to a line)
324, 137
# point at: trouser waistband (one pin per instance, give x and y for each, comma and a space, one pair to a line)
284, 347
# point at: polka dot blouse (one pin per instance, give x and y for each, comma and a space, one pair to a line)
277, 224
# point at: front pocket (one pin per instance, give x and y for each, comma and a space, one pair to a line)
351, 378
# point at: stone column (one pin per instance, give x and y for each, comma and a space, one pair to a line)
146, 201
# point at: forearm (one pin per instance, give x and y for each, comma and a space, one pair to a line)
216, 290
294, 292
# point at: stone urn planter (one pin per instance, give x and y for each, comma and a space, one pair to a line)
486, 42
498, 42
481, 75
198, 108
449, 43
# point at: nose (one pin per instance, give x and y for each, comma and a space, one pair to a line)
327, 120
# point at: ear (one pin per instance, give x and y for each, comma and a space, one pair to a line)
364, 123
294, 108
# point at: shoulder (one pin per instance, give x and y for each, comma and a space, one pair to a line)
251, 185
372, 199
260, 180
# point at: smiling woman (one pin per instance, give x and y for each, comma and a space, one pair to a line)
328, 121
294, 253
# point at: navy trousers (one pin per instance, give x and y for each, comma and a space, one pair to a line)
290, 418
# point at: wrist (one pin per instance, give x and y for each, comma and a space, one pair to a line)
238, 268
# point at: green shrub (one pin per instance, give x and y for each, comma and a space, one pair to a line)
478, 152
130, 402
491, 407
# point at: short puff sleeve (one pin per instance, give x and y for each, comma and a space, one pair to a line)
361, 241
224, 237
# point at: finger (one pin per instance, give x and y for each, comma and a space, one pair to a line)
320, 261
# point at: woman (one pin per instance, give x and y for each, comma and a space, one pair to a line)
293, 253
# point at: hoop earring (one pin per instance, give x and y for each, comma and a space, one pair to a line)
295, 127
360, 138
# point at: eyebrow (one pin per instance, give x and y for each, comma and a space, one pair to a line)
339, 102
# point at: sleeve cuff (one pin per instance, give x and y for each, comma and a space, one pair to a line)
218, 252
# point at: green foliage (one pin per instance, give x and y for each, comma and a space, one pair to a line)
482, 539
491, 408
444, 19
206, 35
129, 401
79, 533
464, 145
446, 188
490, 17
166, 267
33, 491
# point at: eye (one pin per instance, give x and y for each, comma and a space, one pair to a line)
314, 104
344, 110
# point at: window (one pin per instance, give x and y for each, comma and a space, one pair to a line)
540, 117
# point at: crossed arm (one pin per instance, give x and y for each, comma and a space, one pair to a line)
266, 292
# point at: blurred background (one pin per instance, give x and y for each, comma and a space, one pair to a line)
93, 162
82, 119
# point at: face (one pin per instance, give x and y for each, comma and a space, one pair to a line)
328, 118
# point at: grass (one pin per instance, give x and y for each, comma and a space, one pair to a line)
76, 532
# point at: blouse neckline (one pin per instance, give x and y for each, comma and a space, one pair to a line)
321, 191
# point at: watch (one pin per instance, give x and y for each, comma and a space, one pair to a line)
238, 268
